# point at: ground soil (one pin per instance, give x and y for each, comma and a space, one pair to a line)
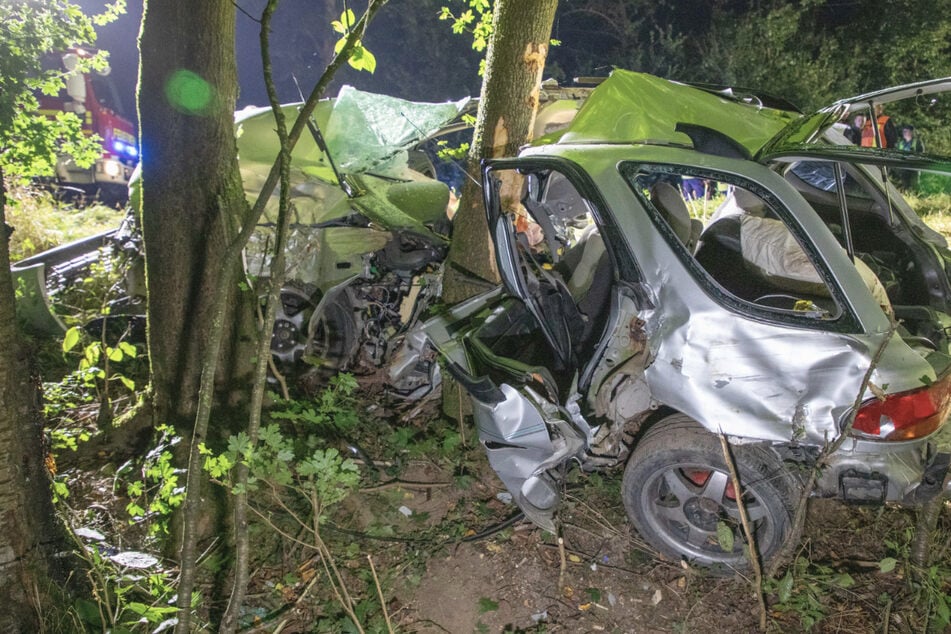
450, 558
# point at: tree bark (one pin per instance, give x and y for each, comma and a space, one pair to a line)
29, 534
509, 101
192, 199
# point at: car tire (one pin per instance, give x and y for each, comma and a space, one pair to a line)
679, 496
332, 336
305, 343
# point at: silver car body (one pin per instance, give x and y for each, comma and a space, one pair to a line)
672, 340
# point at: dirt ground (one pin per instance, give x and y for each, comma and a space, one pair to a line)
612, 582
450, 557
448, 577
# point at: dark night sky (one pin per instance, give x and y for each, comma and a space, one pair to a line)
298, 30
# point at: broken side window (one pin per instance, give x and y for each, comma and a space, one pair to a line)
877, 225
737, 238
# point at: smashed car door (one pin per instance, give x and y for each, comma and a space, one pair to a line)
524, 354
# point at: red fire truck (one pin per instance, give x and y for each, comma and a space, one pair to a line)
93, 98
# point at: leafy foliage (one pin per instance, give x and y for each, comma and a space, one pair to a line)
295, 459
476, 19
155, 496
360, 58
42, 222
129, 591
805, 588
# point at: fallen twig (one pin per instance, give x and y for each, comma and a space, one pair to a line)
748, 531
379, 593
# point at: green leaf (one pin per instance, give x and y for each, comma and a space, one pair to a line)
844, 580
88, 612
785, 587
127, 382
239, 444
114, 354
128, 349
725, 536
487, 605
71, 338
887, 565
593, 594
943, 610
60, 490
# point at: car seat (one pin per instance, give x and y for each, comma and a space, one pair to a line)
668, 201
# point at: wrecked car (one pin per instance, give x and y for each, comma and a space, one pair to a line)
368, 233
630, 332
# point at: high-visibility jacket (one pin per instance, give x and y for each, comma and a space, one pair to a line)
868, 133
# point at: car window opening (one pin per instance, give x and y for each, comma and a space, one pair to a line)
874, 240
742, 245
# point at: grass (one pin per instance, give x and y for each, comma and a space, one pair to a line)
935, 210
41, 222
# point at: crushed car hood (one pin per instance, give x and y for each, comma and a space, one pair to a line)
630, 107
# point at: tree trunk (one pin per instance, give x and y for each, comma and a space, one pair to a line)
508, 104
192, 199
29, 535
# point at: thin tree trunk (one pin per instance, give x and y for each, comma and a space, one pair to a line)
509, 101
29, 535
229, 622
229, 261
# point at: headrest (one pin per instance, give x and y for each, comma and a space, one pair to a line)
667, 199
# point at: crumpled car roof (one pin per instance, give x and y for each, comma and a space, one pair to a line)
630, 107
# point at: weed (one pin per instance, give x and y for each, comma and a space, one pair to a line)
930, 587
291, 466
96, 371
155, 496
128, 589
804, 590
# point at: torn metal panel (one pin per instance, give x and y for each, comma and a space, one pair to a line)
516, 433
318, 256
367, 137
365, 133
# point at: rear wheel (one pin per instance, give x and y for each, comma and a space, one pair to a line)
678, 494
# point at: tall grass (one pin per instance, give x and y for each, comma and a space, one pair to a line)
934, 209
41, 222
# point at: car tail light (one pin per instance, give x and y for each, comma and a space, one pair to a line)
906, 415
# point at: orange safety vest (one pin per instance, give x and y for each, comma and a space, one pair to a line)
868, 133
